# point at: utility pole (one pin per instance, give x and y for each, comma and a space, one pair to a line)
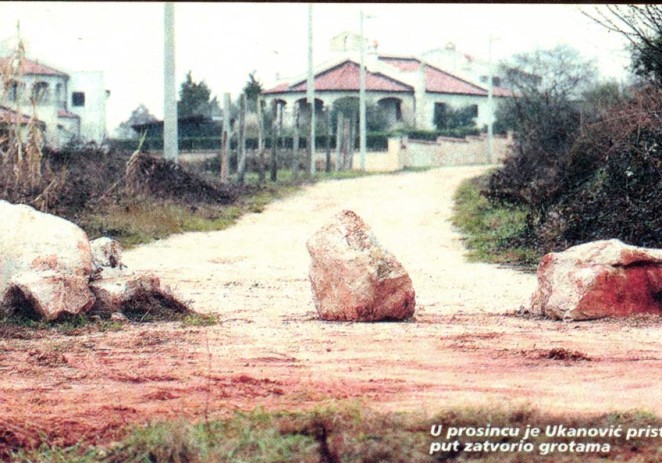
170, 138
311, 90
362, 103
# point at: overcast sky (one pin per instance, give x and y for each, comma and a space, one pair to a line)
223, 42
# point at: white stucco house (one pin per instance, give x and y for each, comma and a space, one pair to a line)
70, 106
409, 89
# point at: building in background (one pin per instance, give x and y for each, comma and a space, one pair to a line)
72, 107
411, 92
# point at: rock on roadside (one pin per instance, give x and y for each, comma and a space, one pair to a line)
46, 262
599, 279
353, 277
119, 290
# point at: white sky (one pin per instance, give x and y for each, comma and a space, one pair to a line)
223, 42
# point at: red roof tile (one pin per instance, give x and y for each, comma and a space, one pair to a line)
63, 113
280, 88
500, 91
346, 76
402, 63
8, 114
438, 81
31, 67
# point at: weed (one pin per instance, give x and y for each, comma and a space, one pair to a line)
198, 319
351, 434
493, 233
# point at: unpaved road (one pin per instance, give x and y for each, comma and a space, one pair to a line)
464, 347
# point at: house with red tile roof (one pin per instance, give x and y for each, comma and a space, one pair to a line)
410, 92
70, 106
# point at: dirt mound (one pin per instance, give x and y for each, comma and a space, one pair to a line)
165, 179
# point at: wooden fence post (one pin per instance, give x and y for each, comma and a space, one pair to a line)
274, 142
225, 140
241, 161
311, 142
352, 141
328, 140
339, 140
260, 140
295, 145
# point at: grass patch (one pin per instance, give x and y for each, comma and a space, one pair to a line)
348, 434
142, 220
492, 233
18, 326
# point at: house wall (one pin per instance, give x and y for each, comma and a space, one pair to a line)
455, 102
46, 107
93, 113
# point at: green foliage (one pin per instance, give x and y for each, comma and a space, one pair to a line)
376, 119
447, 118
613, 179
195, 99
351, 434
140, 115
492, 232
252, 90
432, 135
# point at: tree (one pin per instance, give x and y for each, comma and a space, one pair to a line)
450, 118
376, 119
641, 25
252, 89
140, 115
195, 99
546, 117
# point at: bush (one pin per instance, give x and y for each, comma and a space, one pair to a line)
606, 185
613, 180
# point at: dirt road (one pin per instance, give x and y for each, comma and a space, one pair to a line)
465, 345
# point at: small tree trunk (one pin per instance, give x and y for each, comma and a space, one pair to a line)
339, 141
260, 141
295, 145
225, 146
241, 162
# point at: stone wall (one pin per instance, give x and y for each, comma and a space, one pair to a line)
446, 151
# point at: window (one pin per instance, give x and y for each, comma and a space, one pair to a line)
13, 91
40, 92
78, 99
472, 110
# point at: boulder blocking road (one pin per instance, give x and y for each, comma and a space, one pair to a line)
464, 345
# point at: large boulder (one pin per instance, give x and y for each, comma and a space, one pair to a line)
45, 263
354, 278
599, 279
